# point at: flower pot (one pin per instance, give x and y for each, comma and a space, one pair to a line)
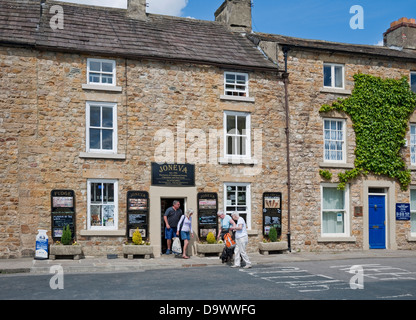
203, 249
74, 251
131, 250
265, 247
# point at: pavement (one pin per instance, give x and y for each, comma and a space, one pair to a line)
120, 264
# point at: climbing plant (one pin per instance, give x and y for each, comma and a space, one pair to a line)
380, 111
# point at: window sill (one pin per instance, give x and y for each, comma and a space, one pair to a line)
411, 238
237, 98
248, 161
336, 165
337, 239
91, 155
101, 87
335, 90
412, 167
103, 233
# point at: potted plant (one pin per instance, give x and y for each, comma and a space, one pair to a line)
66, 247
272, 243
138, 247
209, 246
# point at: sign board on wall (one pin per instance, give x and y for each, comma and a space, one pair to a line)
402, 211
138, 213
207, 214
173, 175
272, 212
62, 212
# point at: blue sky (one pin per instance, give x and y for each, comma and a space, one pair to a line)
311, 19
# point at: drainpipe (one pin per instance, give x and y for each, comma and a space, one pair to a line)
286, 84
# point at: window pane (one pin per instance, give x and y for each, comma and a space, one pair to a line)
327, 76
95, 215
413, 82
338, 77
95, 66
108, 215
413, 199
332, 198
231, 124
96, 192
108, 79
107, 117
95, 116
241, 147
333, 222
241, 125
95, 138
107, 139
95, 77
107, 67
230, 78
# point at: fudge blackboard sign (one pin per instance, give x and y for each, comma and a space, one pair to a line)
62, 212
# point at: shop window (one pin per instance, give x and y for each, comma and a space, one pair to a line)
102, 204
236, 84
101, 127
333, 75
413, 81
413, 144
101, 72
334, 140
237, 199
413, 212
237, 134
334, 215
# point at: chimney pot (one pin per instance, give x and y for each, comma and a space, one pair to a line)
402, 33
236, 14
136, 9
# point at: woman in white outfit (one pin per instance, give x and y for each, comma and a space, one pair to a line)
241, 239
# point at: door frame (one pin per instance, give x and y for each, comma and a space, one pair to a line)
390, 188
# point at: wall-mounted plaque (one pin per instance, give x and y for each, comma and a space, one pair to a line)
207, 214
138, 213
272, 212
62, 212
173, 175
402, 211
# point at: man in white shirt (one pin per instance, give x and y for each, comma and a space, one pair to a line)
241, 239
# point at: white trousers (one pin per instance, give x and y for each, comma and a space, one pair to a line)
240, 249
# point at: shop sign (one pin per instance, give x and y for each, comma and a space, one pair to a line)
62, 212
138, 213
272, 212
173, 175
207, 214
402, 211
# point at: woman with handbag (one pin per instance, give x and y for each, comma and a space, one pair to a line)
185, 227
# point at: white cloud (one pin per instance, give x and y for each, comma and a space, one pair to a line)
167, 7
102, 3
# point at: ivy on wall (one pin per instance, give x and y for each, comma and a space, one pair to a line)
380, 111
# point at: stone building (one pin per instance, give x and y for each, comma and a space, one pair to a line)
93, 99
128, 111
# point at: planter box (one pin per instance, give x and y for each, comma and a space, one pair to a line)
131, 250
203, 249
61, 250
272, 246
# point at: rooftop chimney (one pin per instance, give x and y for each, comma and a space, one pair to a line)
136, 9
402, 33
236, 14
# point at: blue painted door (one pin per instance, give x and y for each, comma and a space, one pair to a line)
377, 219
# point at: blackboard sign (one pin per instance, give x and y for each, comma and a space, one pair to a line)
207, 214
62, 212
138, 213
402, 211
272, 212
173, 175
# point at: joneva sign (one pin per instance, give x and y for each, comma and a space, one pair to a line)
173, 175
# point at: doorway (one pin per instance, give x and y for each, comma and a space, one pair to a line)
377, 221
165, 203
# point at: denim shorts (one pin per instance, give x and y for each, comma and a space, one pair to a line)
185, 235
170, 233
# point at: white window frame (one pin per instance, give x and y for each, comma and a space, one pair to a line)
115, 203
113, 73
412, 145
412, 73
112, 105
236, 92
346, 216
333, 65
248, 200
412, 215
344, 141
246, 134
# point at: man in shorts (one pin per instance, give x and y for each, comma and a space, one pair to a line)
171, 217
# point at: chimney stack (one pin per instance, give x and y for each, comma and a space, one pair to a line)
136, 9
236, 14
402, 33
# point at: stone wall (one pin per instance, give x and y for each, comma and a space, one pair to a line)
43, 123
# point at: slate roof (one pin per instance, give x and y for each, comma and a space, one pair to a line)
109, 32
307, 44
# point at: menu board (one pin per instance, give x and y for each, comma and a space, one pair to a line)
62, 212
207, 214
138, 213
272, 212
